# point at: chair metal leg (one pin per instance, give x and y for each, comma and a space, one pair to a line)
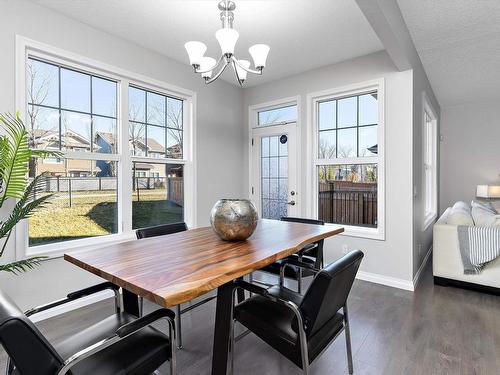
8, 367
178, 322
299, 279
348, 340
141, 306
231, 348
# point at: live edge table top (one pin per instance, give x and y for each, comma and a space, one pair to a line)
177, 268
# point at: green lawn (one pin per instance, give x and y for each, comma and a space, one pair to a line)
94, 213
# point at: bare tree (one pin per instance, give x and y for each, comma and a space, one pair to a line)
175, 121
135, 129
38, 91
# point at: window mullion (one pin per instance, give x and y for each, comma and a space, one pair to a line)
125, 166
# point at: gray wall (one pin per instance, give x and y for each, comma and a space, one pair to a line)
469, 151
220, 134
392, 257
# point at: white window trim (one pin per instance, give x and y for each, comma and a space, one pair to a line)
253, 123
312, 161
27, 47
429, 217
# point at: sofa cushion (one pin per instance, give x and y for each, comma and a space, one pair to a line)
485, 217
484, 205
460, 214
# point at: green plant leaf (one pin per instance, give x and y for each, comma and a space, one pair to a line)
15, 158
21, 266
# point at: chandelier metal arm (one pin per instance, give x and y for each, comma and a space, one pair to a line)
240, 81
217, 75
197, 70
254, 71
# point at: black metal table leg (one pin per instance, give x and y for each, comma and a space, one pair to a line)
130, 302
223, 321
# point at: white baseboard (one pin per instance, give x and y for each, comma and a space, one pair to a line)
416, 279
70, 306
385, 280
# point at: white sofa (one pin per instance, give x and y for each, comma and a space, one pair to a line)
447, 262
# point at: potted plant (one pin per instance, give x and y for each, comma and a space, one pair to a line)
15, 156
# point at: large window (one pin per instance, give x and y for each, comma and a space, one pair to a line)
115, 173
347, 161
72, 111
430, 163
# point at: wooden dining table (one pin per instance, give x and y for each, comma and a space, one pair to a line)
176, 268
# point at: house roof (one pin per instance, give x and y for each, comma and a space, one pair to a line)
153, 145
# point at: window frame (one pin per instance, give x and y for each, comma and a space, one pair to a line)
25, 48
313, 161
429, 214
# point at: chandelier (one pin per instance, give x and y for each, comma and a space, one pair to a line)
211, 69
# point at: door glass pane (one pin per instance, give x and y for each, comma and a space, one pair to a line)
274, 176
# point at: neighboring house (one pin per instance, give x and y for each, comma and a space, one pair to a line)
70, 141
107, 144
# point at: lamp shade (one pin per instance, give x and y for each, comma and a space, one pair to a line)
488, 191
259, 54
227, 39
242, 73
206, 66
195, 51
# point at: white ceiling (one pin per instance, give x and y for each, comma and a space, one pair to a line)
459, 44
303, 34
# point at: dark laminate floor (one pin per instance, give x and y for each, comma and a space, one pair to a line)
435, 330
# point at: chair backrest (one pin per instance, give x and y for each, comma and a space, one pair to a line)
329, 291
31, 353
302, 220
318, 251
160, 230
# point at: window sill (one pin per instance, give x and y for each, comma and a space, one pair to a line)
428, 220
360, 232
57, 250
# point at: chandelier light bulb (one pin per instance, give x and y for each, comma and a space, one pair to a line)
227, 39
211, 69
206, 66
242, 73
195, 51
259, 54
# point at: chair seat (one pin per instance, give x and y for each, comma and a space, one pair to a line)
291, 272
276, 325
140, 353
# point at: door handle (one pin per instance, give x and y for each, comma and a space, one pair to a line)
291, 203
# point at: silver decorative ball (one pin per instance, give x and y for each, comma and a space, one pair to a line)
234, 219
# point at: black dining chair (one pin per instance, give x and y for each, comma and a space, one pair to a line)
119, 344
161, 230
311, 254
302, 327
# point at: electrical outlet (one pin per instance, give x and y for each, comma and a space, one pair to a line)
345, 249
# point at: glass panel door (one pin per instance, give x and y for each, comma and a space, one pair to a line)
274, 171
